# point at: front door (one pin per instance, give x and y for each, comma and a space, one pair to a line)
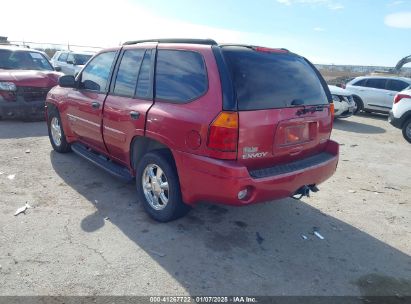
85, 104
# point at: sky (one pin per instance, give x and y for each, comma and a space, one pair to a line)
358, 32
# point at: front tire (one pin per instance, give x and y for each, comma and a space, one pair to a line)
158, 187
56, 132
359, 105
406, 130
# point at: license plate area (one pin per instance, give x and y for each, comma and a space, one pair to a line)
290, 134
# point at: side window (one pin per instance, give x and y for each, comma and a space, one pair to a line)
360, 83
128, 72
95, 75
397, 85
63, 57
70, 58
376, 83
143, 84
180, 75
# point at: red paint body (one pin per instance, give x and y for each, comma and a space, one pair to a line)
205, 174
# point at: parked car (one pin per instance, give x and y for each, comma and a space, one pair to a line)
375, 93
69, 62
26, 76
400, 115
344, 105
195, 121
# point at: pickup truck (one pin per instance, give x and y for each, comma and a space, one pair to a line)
192, 121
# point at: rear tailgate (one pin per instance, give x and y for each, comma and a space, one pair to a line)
283, 107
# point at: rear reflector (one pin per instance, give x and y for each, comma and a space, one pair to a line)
332, 109
223, 132
398, 97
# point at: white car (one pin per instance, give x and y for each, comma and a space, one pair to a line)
400, 115
344, 105
69, 62
376, 93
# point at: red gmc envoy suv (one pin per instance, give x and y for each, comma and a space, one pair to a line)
192, 120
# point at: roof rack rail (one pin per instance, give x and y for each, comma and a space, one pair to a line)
250, 46
175, 40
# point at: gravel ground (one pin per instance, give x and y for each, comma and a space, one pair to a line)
86, 233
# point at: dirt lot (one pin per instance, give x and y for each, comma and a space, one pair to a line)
88, 235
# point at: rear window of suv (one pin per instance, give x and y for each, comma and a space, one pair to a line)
268, 80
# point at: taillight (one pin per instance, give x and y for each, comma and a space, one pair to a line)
223, 132
332, 109
398, 97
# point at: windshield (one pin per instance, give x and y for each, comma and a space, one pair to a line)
81, 59
23, 60
268, 80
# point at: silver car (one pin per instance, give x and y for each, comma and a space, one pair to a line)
376, 93
69, 62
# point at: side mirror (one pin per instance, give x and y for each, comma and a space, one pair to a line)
67, 81
70, 62
57, 69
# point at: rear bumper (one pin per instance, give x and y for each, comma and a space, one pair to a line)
33, 110
211, 180
396, 122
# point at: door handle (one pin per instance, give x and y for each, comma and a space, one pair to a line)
95, 105
134, 115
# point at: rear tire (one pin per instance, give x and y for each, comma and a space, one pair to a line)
359, 105
406, 130
56, 132
158, 187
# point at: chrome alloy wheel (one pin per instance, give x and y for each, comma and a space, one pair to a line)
55, 131
155, 187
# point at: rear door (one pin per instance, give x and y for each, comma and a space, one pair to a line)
70, 64
378, 97
62, 61
129, 99
393, 87
283, 106
85, 104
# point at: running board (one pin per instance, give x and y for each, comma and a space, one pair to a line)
102, 162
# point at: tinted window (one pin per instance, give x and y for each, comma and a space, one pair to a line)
376, 83
397, 85
81, 59
23, 60
143, 84
264, 80
360, 83
127, 73
70, 57
95, 74
180, 75
63, 57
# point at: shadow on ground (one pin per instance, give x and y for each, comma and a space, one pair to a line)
255, 250
12, 129
356, 127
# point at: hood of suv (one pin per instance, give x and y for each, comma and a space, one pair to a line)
339, 91
30, 78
